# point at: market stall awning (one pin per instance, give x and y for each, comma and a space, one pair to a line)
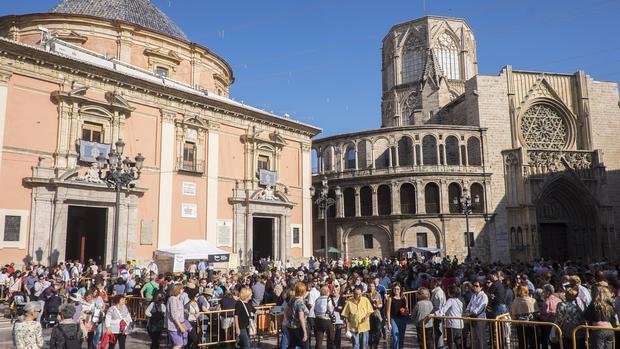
195, 249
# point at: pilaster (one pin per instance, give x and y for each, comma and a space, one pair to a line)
164, 225
306, 183
5, 76
213, 148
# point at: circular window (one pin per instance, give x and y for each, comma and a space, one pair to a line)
543, 128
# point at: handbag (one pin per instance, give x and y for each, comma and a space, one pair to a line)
554, 335
252, 325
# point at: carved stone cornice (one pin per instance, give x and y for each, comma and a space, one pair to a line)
71, 37
168, 116
5, 76
169, 56
77, 95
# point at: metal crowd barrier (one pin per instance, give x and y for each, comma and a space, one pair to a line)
500, 333
580, 342
217, 326
136, 307
411, 297
4, 293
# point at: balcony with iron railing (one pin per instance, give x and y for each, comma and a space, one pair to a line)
191, 166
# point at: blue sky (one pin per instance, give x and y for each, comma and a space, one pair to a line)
319, 61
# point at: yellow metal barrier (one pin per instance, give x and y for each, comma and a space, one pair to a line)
217, 326
586, 340
136, 307
499, 333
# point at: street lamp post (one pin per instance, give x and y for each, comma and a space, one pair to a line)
466, 205
120, 175
324, 202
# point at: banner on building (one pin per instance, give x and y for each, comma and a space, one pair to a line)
267, 178
89, 151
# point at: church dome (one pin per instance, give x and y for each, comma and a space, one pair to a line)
138, 12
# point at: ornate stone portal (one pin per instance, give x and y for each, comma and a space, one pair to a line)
52, 195
261, 203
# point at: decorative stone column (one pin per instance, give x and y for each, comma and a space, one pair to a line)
419, 195
395, 198
358, 206
375, 206
444, 196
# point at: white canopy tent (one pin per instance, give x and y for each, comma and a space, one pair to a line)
173, 258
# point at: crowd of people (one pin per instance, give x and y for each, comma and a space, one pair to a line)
368, 301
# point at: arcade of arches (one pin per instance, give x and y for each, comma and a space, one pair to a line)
409, 150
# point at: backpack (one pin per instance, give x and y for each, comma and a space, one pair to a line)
72, 340
156, 322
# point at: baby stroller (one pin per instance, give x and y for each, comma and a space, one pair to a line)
17, 302
51, 310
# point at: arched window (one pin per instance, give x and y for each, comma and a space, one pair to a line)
452, 150
413, 59
429, 150
405, 151
364, 154
520, 243
331, 211
513, 238
349, 202
384, 200
447, 52
349, 158
473, 151
454, 192
315, 161
382, 153
542, 127
328, 159
366, 201
478, 190
431, 198
407, 198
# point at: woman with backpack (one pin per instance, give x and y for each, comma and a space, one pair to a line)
68, 334
156, 315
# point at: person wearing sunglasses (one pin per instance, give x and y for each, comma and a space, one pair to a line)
476, 309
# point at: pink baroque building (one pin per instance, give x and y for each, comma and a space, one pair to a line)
79, 77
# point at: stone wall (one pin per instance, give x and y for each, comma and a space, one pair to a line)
487, 104
605, 116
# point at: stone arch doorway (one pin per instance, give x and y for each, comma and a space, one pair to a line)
567, 219
421, 234
368, 241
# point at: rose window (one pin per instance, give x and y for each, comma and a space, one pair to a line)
543, 128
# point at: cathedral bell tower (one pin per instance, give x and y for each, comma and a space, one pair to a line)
424, 67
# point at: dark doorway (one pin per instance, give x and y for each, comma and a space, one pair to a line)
86, 233
553, 241
263, 238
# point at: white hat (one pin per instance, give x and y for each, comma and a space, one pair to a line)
76, 297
